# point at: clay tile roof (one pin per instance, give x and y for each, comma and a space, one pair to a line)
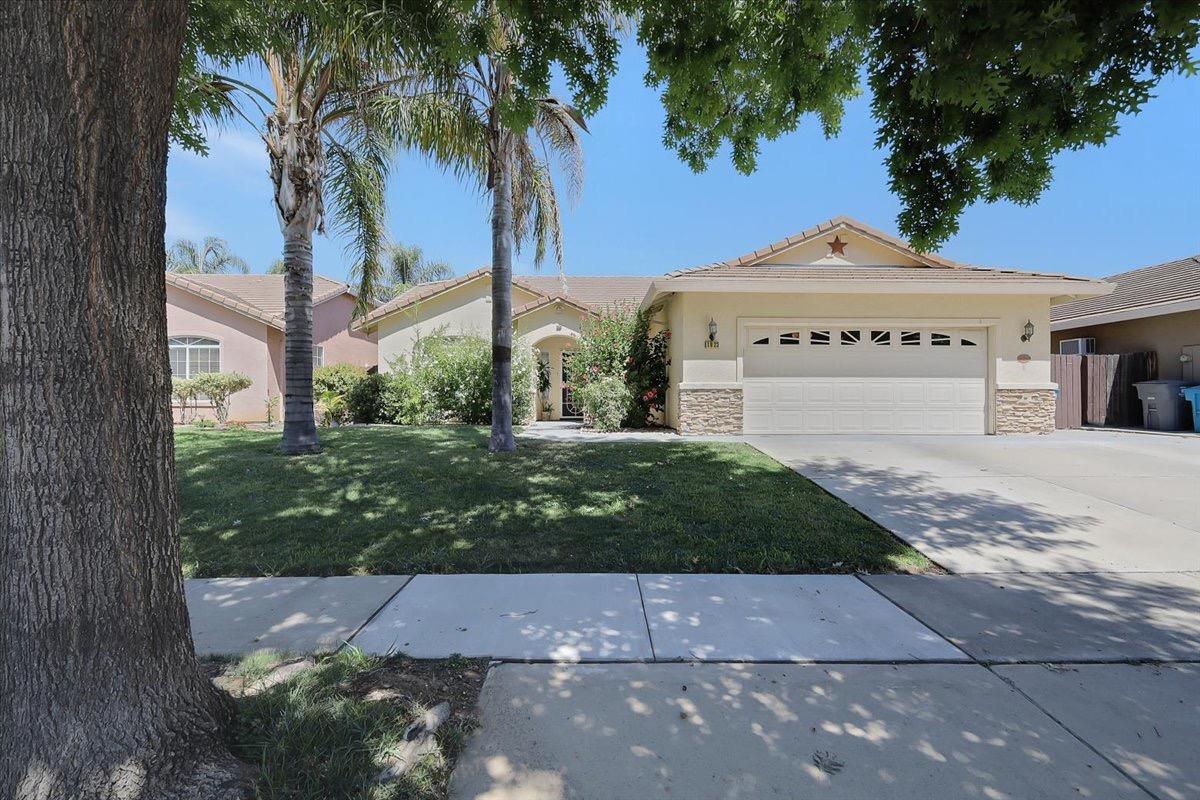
932, 265
586, 292
257, 296
596, 291
534, 305
821, 229
1170, 282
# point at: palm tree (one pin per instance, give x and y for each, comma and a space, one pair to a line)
405, 265
466, 112
212, 257
330, 122
277, 267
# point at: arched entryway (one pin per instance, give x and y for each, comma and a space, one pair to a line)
554, 394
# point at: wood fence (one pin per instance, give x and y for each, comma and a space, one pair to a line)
1098, 389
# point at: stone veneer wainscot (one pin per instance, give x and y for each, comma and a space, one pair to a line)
1025, 410
710, 410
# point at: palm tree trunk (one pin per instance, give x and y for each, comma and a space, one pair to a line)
101, 695
299, 422
502, 440
297, 172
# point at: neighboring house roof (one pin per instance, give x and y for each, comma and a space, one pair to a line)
1146, 292
931, 273
585, 292
259, 297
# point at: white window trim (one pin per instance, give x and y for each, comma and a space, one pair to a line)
220, 347
318, 356
200, 400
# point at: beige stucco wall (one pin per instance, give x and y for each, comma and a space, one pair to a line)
693, 365
1167, 335
244, 346
464, 310
467, 310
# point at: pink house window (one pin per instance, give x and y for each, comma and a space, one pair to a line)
193, 355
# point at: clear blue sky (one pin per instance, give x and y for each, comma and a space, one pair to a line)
1132, 203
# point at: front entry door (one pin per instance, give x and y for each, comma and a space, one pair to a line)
569, 409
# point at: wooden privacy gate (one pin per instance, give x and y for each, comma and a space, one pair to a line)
1099, 389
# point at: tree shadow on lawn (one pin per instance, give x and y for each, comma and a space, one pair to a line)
399, 500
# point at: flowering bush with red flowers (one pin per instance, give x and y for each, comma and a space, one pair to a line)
618, 344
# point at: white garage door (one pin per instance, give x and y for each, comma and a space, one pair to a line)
864, 378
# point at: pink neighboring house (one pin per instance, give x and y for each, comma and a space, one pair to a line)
234, 323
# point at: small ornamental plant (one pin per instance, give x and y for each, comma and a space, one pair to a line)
618, 344
219, 387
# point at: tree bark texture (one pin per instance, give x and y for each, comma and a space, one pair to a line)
101, 695
297, 173
502, 440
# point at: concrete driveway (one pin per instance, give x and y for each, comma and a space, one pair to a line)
1075, 501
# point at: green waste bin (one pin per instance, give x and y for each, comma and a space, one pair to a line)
1192, 395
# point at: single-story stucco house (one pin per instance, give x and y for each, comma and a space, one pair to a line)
841, 328
234, 323
1152, 309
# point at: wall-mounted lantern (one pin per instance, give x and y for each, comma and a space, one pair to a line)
711, 341
1028, 331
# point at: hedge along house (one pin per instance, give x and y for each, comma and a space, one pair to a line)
845, 329
234, 323
549, 312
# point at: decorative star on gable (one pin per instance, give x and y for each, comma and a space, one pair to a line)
837, 247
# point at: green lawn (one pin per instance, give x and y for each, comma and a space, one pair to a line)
403, 500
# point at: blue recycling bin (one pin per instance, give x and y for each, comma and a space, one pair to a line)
1192, 395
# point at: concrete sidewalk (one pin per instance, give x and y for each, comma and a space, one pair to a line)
757, 686
734, 618
566, 617
853, 731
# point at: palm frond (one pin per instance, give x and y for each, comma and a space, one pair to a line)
356, 184
557, 128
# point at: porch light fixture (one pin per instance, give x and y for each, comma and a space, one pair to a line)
711, 341
1028, 331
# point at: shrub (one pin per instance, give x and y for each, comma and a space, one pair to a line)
331, 409
272, 409
336, 378
362, 399
455, 379
183, 391
605, 402
618, 344
401, 401
218, 387
204, 422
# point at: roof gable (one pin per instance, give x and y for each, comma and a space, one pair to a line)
859, 245
584, 292
260, 297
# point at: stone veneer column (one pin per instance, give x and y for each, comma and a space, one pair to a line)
710, 411
1025, 410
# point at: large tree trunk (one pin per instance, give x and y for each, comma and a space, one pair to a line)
101, 695
297, 173
502, 440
